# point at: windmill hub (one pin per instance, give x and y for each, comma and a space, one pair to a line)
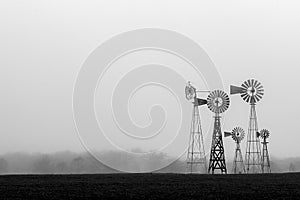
252, 91
218, 102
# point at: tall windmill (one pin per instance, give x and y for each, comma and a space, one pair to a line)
251, 91
265, 165
237, 135
218, 102
196, 159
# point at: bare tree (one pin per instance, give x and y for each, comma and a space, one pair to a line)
292, 167
43, 165
3, 166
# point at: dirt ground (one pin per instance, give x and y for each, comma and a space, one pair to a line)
151, 186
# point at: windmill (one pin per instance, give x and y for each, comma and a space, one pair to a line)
237, 135
251, 91
217, 102
196, 159
265, 165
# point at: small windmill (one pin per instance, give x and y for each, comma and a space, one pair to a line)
217, 102
251, 91
237, 135
265, 165
196, 159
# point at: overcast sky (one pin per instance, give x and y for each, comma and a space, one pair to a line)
44, 43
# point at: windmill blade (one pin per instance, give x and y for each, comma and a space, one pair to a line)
220, 110
243, 95
227, 100
249, 83
248, 98
244, 86
258, 85
227, 134
256, 98
260, 91
201, 102
260, 88
252, 82
259, 95
235, 90
255, 83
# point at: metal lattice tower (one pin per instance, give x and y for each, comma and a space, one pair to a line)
218, 102
251, 91
238, 135
265, 165
253, 150
196, 159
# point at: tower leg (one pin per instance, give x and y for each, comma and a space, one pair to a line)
196, 159
217, 156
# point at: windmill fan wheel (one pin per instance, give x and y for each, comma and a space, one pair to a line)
252, 91
190, 92
264, 133
238, 134
218, 101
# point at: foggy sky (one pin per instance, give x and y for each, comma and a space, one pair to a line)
44, 43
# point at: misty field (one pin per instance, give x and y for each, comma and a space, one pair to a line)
150, 186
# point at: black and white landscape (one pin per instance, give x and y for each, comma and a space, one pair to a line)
149, 99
